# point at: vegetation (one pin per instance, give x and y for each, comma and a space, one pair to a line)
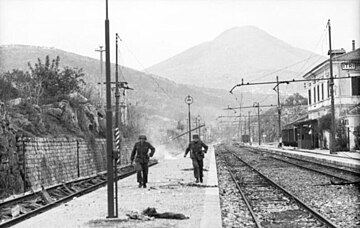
293, 108
341, 136
357, 137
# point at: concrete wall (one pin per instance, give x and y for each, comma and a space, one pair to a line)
48, 161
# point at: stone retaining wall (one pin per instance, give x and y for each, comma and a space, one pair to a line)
49, 161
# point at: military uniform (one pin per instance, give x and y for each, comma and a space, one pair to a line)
141, 156
197, 156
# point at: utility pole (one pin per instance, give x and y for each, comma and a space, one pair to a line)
245, 124
198, 124
109, 142
333, 128
101, 50
249, 128
239, 128
277, 87
117, 97
256, 104
117, 92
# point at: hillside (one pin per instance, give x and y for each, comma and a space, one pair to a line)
160, 100
241, 52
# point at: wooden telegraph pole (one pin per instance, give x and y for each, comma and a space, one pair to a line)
101, 50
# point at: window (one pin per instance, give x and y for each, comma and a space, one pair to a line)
322, 91
328, 88
318, 92
315, 94
309, 96
355, 85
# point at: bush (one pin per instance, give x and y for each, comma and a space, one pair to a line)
341, 140
357, 137
48, 81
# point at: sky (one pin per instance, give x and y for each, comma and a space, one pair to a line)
154, 30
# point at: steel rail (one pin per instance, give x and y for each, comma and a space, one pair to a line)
256, 220
49, 206
355, 173
299, 201
24, 197
315, 170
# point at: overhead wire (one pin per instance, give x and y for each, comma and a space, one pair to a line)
306, 60
321, 40
144, 70
121, 66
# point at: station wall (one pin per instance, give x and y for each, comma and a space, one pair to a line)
50, 161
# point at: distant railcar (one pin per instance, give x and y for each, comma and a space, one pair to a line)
289, 137
245, 138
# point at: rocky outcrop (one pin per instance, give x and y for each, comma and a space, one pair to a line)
11, 174
71, 117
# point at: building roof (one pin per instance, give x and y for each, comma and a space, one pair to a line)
350, 56
297, 121
354, 110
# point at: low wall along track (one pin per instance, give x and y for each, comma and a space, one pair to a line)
16, 210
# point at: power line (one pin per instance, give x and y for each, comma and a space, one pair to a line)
265, 106
144, 70
313, 54
286, 81
281, 69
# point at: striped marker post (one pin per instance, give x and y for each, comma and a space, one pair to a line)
116, 157
117, 138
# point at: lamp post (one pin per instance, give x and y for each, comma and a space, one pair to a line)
189, 100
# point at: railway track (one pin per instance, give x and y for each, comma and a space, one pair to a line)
18, 209
340, 173
269, 204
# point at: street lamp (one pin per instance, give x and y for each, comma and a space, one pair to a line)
189, 100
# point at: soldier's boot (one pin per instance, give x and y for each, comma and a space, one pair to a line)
201, 179
144, 185
140, 185
197, 180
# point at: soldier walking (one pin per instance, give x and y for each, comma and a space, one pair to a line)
197, 155
141, 155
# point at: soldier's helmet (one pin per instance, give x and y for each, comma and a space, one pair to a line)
196, 137
142, 137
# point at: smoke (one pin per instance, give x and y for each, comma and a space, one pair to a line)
166, 153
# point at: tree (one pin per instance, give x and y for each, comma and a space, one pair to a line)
357, 137
49, 81
341, 140
22, 81
296, 99
7, 92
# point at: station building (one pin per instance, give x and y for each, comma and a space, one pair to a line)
313, 131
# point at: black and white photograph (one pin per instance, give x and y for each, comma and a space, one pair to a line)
180, 113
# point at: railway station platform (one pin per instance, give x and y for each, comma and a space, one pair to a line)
342, 158
171, 188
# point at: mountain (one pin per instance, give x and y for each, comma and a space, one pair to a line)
160, 100
241, 52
